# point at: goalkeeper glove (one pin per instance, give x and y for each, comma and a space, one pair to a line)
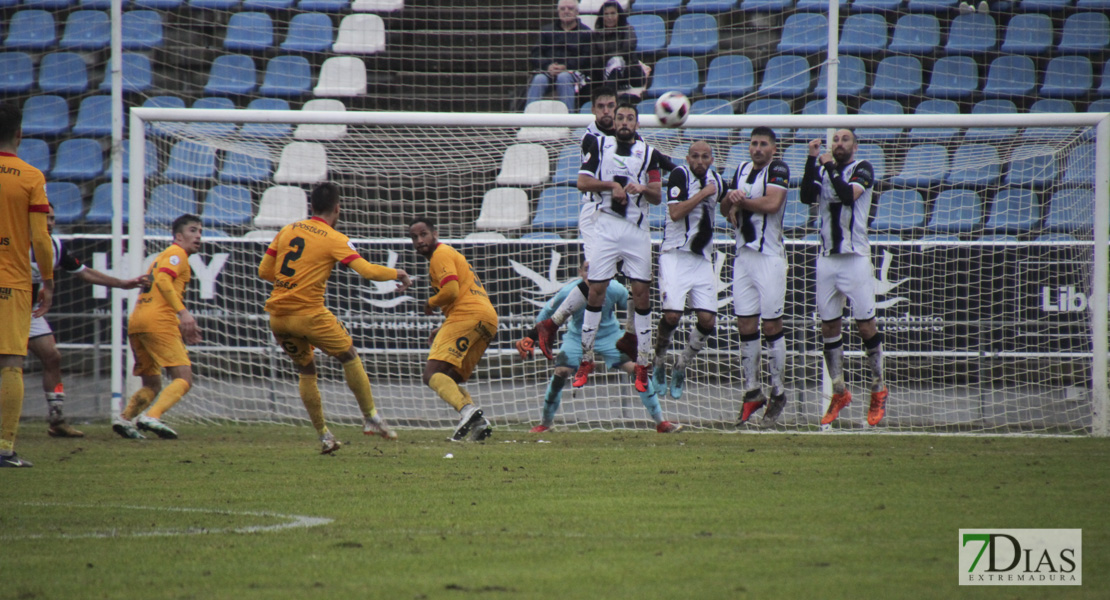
526, 347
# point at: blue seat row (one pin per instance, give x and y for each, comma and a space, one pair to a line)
223, 206
167, 5
84, 30
671, 7
66, 73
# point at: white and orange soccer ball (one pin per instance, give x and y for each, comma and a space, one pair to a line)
672, 109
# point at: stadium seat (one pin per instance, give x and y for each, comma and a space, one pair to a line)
1031, 165
244, 168
1049, 105
485, 236
151, 163
249, 32
1070, 210
973, 33
897, 77
567, 165
302, 162
737, 153
817, 107
1010, 77
931, 6
17, 74
975, 165
804, 33
991, 134
78, 159
693, 34
821, 6
360, 34
915, 34
51, 5
1104, 89
191, 162
86, 30
542, 235
227, 206
341, 76
309, 32
1085, 33
882, 6
31, 30
711, 6
1028, 34
503, 208
926, 165
137, 74
141, 30
35, 153
1014, 211
540, 134
851, 78
323, 6
557, 208
651, 32
679, 73
94, 117
863, 34
1068, 77
268, 5
281, 205
729, 76
100, 211
664, 7
764, 106
214, 128
525, 165
899, 211
308, 131
169, 201
881, 107
377, 5
63, 73
1045, 6
935, 134
766, 6
710, 106
1093, 4
954, 77
287, 77
66, 199
786, 76
226, 5
956, 212
1079, 166
873, 153
267, 130
45, 116
159, 4
232, 74
795, 157
796, 218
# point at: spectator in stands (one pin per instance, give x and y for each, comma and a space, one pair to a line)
561, 57
967, 8
614, 53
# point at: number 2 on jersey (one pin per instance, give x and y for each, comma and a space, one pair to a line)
298, 244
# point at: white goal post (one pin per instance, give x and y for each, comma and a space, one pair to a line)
997, 326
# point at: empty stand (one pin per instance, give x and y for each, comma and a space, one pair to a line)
341, 76
651, 32
63, 73
86, 30
227, 206
863, 34
975, 165
1068, 77
678, 73
308, 131
231, 75
309, 32
730, 76
65, 197
94, 117
287, 77
1009, 77
955, 212
360, 34
45, 116
1015, 211
169, 201
926, 165
31, 30
557, 208
280, 206
786, 76
249, 32
694, 34
78, 159
191, 162
524, 164
503, 208
899, 211
302, 162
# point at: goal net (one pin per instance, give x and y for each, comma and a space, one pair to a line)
986, 276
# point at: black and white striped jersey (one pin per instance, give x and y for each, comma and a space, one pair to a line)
761, 232
694, 232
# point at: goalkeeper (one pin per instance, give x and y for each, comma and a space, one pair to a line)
570, 351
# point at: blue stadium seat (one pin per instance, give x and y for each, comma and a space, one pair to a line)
45, 116
1028, 33
244, 168
955, 212
268, 5
159, 4
163, 128
1104, 89
975, 165
323, 6
95, 4
169, 201
817, 107
17, 74
100, 212
1069, 211
557, 208
765, 106
1049, 105
766, 6
796, 219
821, 6
786, 76
567, 165
931, 6
94, 117
63, 73
227, 5
191, 162
935, 134
267, 130
899, 211
137, 74
249, 32
1068, 77
35, 153
851, 78
897, 77
873, 153
1102, 105
665, 7
309, 32
66, 199
86, 30
1032, 165
926, 165
972, 33
78, 159
882, 107
227, 206
954, 77
674, 73
795, 157
51, 5
863, 34
991, 134
729, 76
693, 34
915, 35
709, 106
737, 153
1010, 77
711, 6
1085, 33
287, 77
232, 74
1014, 211
141, 30
1093, 4
651, 32
804, 33
31, 30
213, 128
1046, 6
151, 164
882, 6
542, 235
1079, 166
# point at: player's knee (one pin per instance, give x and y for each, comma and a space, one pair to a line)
52, 360
347, 355
772, 327
671, 318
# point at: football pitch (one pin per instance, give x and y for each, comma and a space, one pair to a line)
252, 511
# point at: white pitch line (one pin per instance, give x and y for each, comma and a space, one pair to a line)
292, 522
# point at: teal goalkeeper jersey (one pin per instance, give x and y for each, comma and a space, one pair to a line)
610, 329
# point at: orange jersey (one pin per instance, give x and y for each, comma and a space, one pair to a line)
152, 312
472, 302
22, 192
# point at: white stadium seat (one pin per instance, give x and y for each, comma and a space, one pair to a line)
525, 164
504, 208
539, 134
310, 131
280, 206
360, 34
302, 162
341, 76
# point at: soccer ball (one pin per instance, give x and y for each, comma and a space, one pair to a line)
672, 109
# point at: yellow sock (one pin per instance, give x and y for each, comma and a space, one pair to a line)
138, 403
310, 396
11, 405
449, 391
359, 383
169, 396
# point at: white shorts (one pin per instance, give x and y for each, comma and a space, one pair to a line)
587, 219
845, 277
39, 328
758, 284
687, 279
616, 239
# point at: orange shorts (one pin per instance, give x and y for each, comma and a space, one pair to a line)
462, 344
298, 335
15, 314
156, 351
